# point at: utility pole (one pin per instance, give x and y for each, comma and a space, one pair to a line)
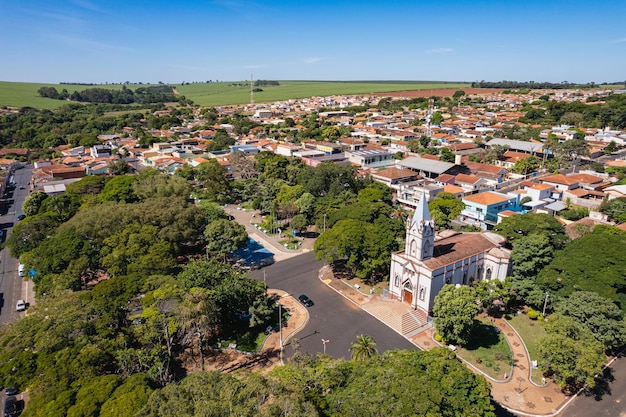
280, 330
545, 303
251, 90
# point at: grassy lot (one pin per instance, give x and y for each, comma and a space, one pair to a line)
15, 94
488, 350
216, 94
530, 331
25, 94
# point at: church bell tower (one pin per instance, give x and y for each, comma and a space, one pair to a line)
420, 233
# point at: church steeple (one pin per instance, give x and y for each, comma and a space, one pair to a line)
420, 234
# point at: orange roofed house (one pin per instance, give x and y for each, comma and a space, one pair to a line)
482, 209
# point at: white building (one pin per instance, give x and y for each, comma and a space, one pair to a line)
430, 260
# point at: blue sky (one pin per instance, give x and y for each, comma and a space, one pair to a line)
191, 40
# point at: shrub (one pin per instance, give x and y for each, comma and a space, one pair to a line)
533, 314
438, 337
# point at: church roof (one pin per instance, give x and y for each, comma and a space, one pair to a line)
460, 246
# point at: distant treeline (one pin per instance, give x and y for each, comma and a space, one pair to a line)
263, 83
532, 85
142, 95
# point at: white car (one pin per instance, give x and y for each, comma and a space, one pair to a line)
20, 306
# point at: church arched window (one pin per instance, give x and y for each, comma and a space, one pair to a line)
397, 280
488, 275
408, 286
422, 293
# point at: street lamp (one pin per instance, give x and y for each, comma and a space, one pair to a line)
545, 303
280, 330
324, 341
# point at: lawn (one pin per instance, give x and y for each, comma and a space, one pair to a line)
488, 350
530, 331
222, 93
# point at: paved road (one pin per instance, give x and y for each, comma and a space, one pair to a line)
332, 317
612, 403
11, 285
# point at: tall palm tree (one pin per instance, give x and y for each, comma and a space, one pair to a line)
363, 348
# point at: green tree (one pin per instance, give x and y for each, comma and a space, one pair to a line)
128, 398
119, 189
299, 223
118, 167
615, 209
454, 311
364, 348
597, 268
224, 236
437, 118
530, 254
214, 177
198, 319
570, 354
135, 250
515, 227
597, 314
365, 247
445, 208
526, 165
33, 202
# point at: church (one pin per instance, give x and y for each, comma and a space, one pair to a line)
430, 260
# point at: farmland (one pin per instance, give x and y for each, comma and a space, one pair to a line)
223, 93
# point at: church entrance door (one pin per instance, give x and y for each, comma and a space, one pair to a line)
407, 296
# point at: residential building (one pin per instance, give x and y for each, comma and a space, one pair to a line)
481, 210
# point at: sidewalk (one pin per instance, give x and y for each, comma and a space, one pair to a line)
517, 393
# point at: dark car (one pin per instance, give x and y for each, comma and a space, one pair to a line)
21, 217
305, 300
10, 407
12, 390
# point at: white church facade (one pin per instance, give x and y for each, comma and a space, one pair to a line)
430, 260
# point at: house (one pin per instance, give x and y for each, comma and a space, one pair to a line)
393, 177
100, 151
482, 209
430, 260
370, 158
468, 182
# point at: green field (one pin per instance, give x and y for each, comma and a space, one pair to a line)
15, 94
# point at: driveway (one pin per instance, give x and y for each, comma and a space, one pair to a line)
333, 317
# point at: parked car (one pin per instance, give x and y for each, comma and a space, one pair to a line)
20, 305
306, 301
12, 390
21, 217
10, 407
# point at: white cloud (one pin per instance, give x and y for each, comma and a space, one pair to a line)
311, 60
439, 51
